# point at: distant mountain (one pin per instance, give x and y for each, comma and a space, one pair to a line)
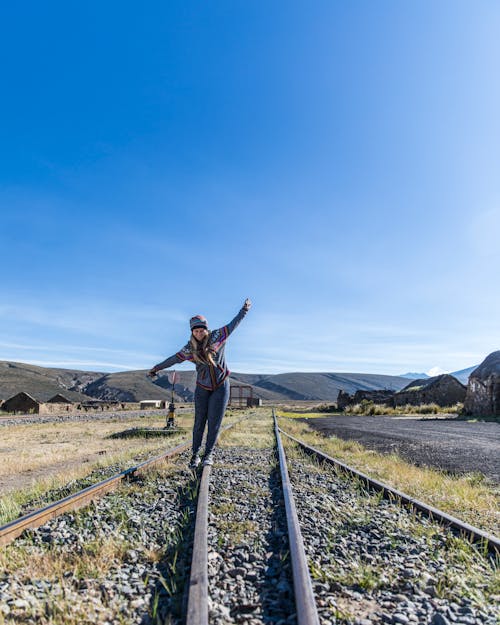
414, 376
463, 374
43, 382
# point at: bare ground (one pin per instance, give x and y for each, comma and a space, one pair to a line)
30, 477
447, 444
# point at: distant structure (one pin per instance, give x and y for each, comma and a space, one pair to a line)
101, 405
149, 404
443, 390
61, 402
25, 403
241, 395
483, 390
377, 397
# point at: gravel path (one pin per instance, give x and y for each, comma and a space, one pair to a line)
125, 559
249, 568
447, 444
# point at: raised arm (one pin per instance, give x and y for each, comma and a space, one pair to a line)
236, 321
219, 336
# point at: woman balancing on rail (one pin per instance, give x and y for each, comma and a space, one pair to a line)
206, 349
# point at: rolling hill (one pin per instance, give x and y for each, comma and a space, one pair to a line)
44, 382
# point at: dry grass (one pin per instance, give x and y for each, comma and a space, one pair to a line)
255, 431
27, 448
96, 560
367, 407
468, 497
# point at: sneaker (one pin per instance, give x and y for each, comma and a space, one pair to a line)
208, 460
195, 461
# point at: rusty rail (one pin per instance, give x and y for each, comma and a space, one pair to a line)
15, 528
475, 534
304, 596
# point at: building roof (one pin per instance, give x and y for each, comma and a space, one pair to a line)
58, 398
428, 383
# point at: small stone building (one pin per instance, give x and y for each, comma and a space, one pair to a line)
56, 405
21, 402
443, 390
377, 397
343, 400
24, 403
149, 404
382, 396
98, 405
483, 390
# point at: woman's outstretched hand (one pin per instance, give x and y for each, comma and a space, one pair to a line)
248, 304
152, 373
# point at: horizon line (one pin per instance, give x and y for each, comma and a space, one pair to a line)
120, 368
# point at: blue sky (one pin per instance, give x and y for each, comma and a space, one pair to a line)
336, 162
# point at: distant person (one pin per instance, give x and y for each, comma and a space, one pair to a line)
206, 349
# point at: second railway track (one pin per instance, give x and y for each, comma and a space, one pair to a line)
127, 558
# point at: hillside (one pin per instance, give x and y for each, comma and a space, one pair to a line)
463, 375
44, 382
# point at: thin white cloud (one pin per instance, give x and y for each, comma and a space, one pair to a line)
46, 347
83, 364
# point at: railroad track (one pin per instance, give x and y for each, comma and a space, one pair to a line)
304, 597
474, 534
305, 607
10, 531
274, 552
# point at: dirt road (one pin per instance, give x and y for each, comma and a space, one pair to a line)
447, 444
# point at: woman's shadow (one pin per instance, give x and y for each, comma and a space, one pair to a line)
169, 598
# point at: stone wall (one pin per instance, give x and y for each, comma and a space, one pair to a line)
383, 397
443, 390
483, 390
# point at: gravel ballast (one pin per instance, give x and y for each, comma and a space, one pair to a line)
374, 561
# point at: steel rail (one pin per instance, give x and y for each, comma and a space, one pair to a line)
197, 607
304, 596
475, 534
15, 528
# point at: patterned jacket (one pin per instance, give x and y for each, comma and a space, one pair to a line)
208, 376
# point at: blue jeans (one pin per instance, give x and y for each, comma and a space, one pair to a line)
209, 407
